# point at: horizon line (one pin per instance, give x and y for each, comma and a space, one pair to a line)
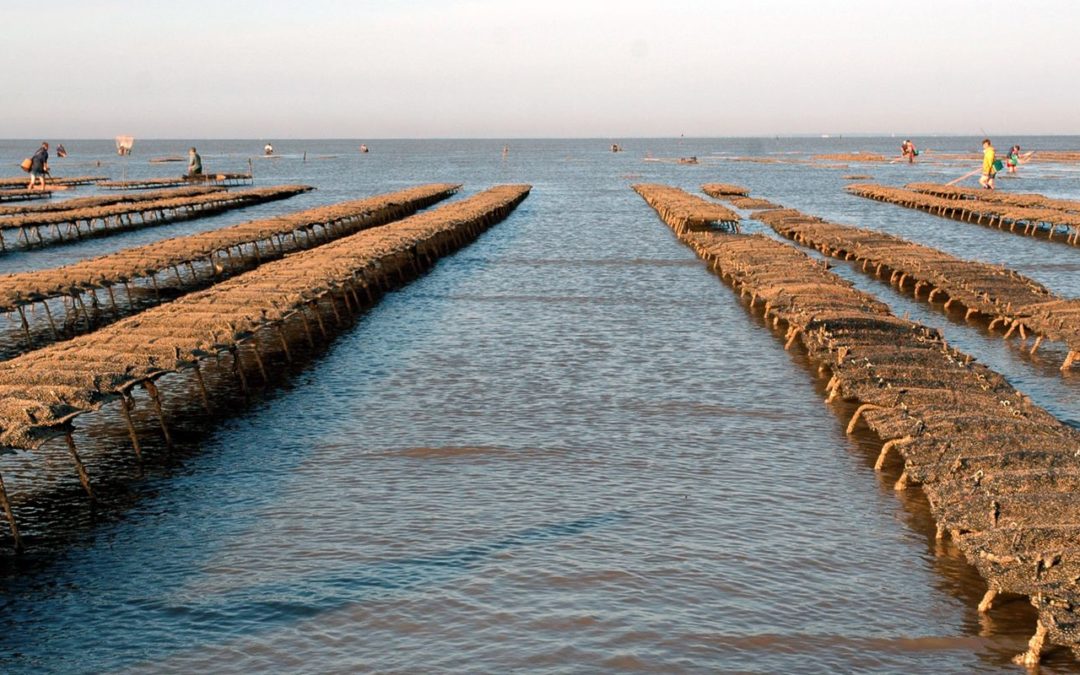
820, 136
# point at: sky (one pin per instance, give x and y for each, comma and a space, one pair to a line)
556, 68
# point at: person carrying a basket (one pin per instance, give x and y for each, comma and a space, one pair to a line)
39, 166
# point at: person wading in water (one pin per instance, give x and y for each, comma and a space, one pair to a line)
39, 166
988, 167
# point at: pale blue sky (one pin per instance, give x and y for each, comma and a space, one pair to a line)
502, 68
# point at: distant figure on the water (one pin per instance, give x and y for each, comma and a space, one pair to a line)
1013, 160
60, 151
124, 144
908, 151
268, 150
194, 164
506, 150
615, 147
989, 160
39, 166
363, 148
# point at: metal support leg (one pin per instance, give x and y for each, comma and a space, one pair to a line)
318, 319
112, 300
307, 328
203, 393
284, 343
259, 362
239, 368
10, 517
52, 323
84, 478
26, 328
125, 405
155, 397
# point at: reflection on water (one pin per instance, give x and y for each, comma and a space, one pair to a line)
569, 447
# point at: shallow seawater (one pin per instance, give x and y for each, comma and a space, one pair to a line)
568, 448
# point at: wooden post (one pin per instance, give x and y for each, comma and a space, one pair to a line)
902, 482
307, 328
10, 517
284, 343
1033, 655
318, 318
203, 393
259, 361
239, 368
345, 299
86, 313
52, 324
84, 478
125, 405
367, 292
26, 328
858, 413
1069, 358
333, 306
112, 300
355, 297
1038, 341
155, 397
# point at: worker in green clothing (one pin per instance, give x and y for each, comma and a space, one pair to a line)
1013, 159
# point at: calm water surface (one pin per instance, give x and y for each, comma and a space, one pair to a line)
568, 448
